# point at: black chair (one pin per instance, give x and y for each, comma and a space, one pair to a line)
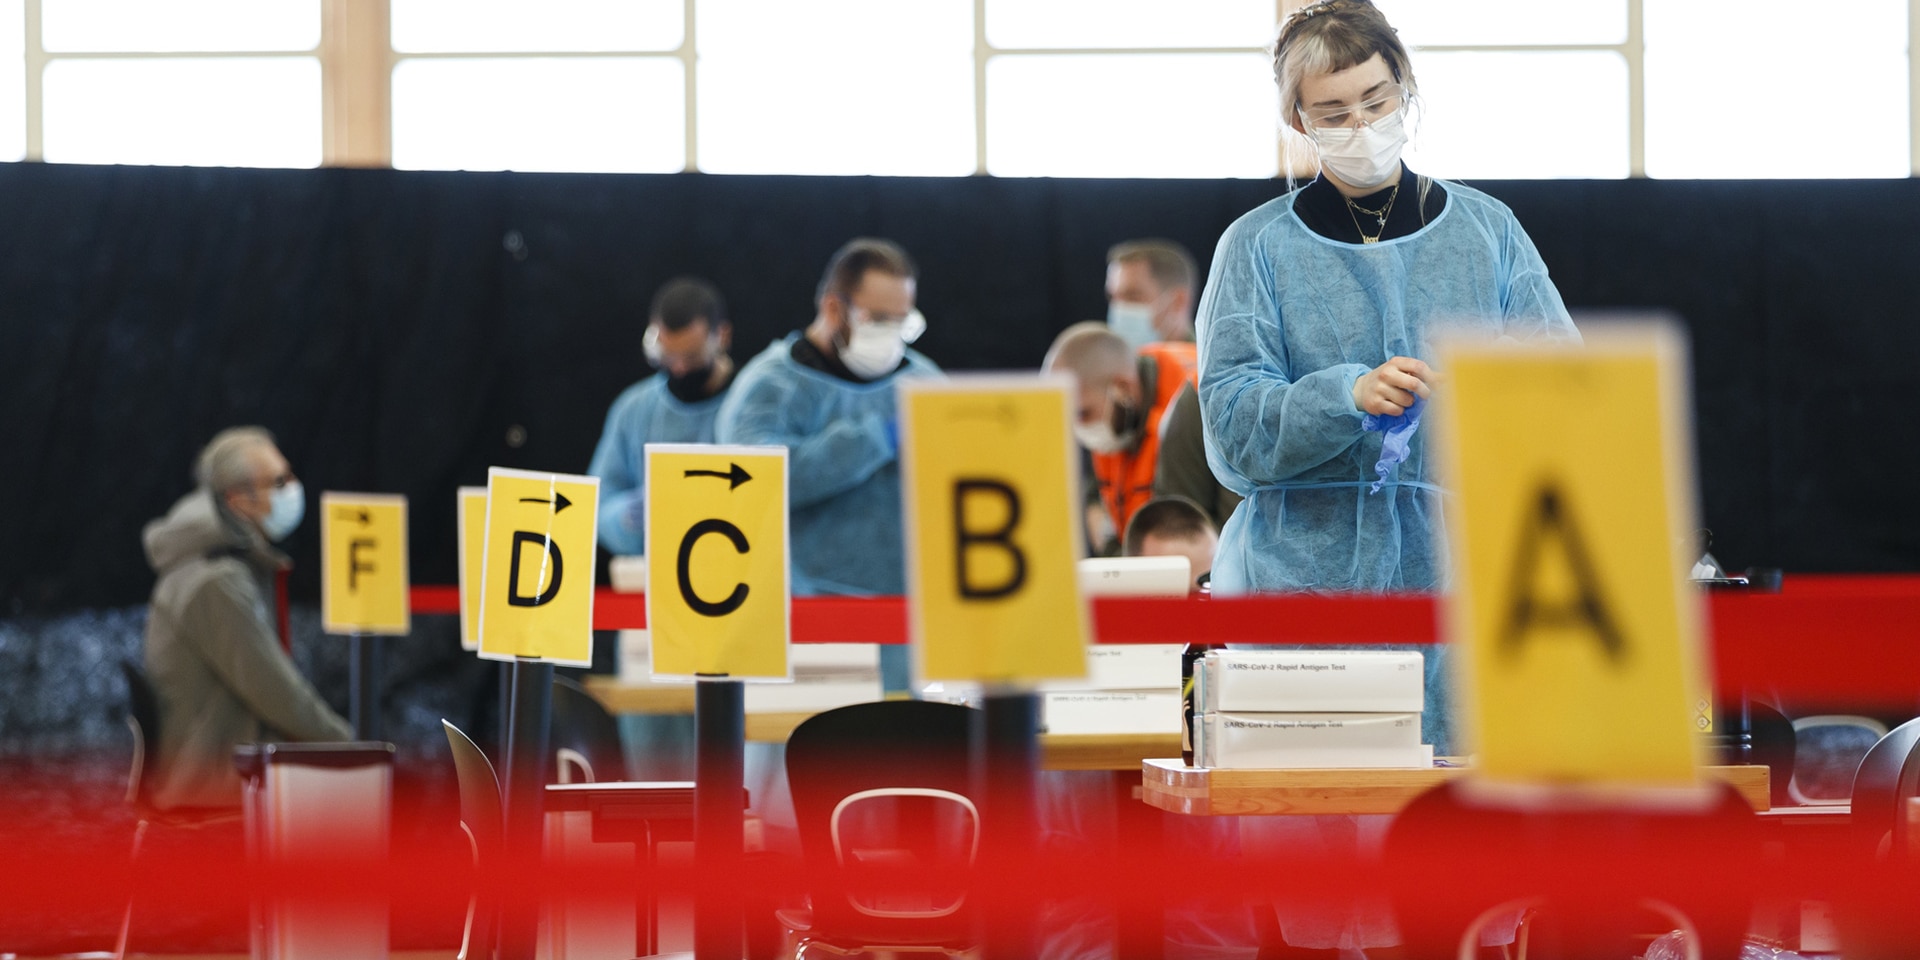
585, 738
143, 720
1888, 776
480, 817
1439, 830
888, 830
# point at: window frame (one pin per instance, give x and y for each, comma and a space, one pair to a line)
357, 60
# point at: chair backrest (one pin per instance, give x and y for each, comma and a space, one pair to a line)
479, 791
1829, 748
586, 738
1889, 775
143, 718
883, 799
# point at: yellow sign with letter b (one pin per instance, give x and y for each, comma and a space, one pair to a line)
363, 562
536, 578
718, 598
988, 476
1578, 634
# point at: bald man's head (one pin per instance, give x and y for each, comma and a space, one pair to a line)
1107, 384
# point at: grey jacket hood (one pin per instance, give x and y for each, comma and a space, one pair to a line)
197, 528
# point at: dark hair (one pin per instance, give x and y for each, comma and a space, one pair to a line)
1175, 518
1169, 263
686, 299
851, 263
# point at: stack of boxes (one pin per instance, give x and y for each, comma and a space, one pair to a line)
1279, 709
1133, 688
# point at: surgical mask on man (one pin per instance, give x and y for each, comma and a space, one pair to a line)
1117, 434
286, 507
1133, 322
1366, 156
873, 350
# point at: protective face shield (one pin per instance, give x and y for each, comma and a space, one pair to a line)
286, 507
875, 347
1366, 156
1133, 322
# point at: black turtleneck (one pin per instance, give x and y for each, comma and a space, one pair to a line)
1324, 209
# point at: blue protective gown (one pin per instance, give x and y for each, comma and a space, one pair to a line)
1289, 320
843, 470
644, 413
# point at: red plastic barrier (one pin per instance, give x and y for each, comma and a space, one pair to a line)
1844, 638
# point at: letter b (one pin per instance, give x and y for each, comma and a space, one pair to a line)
999, 538
514, 596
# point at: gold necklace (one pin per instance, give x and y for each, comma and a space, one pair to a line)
1380, 215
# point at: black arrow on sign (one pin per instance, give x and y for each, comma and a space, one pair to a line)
348, 513
559, 501
737, 475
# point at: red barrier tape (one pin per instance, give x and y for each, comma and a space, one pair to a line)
1850, 639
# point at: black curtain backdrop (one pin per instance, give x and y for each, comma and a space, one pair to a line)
397, 329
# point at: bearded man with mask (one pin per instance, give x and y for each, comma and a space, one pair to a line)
212, 652
1120, 398
827, 394
687, 340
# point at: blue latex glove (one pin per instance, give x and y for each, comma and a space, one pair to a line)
1399, 429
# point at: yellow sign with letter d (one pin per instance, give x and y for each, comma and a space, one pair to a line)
988, 478
536, 579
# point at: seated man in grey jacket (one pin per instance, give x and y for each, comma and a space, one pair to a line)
212, 649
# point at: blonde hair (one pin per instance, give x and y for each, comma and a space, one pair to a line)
1331, 36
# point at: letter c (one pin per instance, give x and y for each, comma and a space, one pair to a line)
739, 594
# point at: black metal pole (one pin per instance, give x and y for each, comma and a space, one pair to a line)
1006, 765
365, 684
719, 776
529, 722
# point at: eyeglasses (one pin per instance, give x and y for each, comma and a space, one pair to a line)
1336, 117
910, 326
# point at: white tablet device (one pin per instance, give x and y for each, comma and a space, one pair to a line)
1136, 577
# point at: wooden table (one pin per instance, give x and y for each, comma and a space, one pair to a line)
1177, 788
1123, 751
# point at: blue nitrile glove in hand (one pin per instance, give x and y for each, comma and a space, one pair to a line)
893, 437
1399, 429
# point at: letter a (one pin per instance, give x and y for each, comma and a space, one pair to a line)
514, 596
1525, 611
1000, 538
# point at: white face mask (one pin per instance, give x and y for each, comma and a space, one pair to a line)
285, 509
873, 350
1367, 156
1133, 322
1098, 437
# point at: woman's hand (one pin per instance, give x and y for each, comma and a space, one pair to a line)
1389, 389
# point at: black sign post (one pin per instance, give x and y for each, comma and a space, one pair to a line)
1006, 767
529, 724
720, 732
365, 681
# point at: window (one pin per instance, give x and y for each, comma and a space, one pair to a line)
1027, 88
1767, 88
1131, 115
836, 87
192, 112
114, 88
13, 86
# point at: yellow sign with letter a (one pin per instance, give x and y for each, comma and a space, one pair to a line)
472, 517
363, 563
536, 575
1577, 634
990, 481
718, 596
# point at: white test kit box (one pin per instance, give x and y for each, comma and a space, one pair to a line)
1311, 740
1311, 681
1110, 711
1127, 666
